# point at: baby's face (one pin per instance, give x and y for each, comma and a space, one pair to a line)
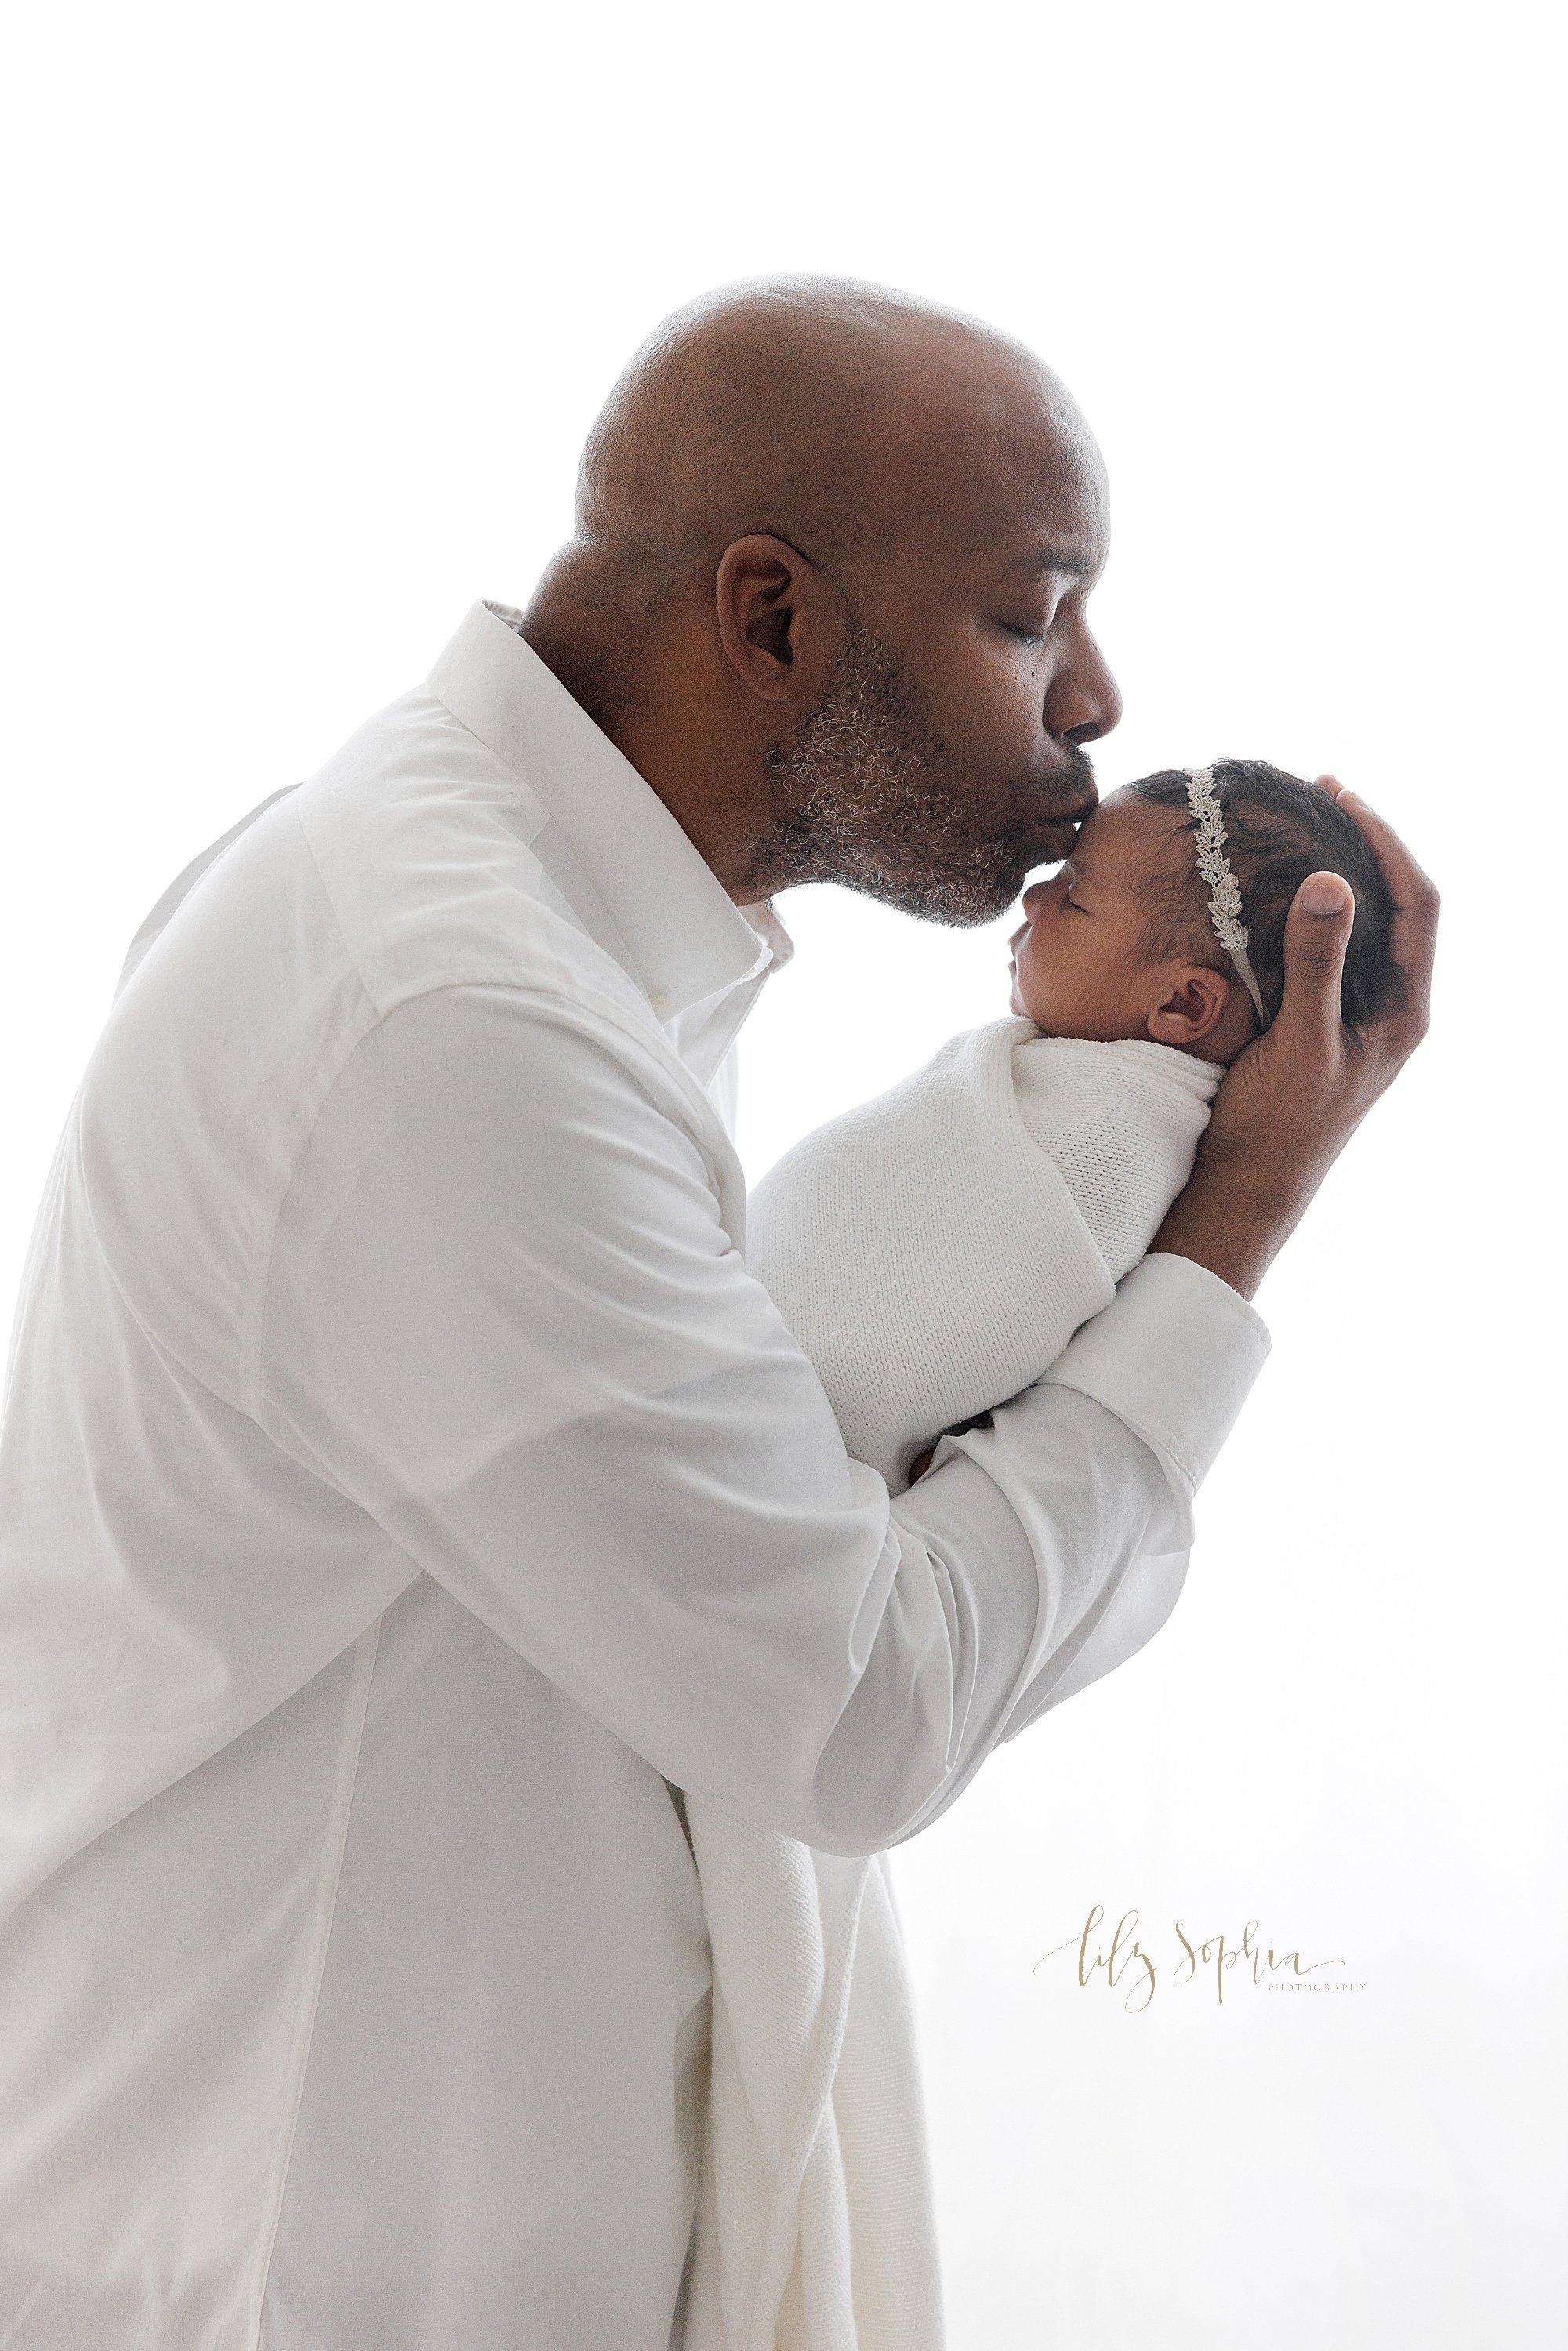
1080, 963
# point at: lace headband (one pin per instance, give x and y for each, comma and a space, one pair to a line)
1225, 891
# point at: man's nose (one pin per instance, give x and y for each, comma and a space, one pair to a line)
1084, 701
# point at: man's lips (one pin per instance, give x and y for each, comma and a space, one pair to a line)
1063, 826
1075, 815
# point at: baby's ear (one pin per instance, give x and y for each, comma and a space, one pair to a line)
1192, 1003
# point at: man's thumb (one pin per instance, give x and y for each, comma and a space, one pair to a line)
1317, 931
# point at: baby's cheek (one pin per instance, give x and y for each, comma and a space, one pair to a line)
1036, 985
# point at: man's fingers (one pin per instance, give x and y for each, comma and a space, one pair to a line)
1317, 931
1408, 885
1415, 931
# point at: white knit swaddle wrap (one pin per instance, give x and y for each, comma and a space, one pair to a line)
933, 1252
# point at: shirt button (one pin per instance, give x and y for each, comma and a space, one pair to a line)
658, 999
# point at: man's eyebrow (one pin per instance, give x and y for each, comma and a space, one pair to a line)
1040, 562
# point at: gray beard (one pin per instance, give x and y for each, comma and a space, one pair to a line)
869, 795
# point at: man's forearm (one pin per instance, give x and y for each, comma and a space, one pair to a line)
1231, 1224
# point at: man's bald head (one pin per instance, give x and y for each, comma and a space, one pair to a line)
841, 417
833, 545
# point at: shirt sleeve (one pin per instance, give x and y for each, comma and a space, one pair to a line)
503, 1316
1173, 1355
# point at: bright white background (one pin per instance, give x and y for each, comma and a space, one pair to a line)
311, 306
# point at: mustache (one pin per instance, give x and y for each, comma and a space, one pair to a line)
1080, 771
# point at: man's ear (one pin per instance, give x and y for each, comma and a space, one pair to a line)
1191, 1008
773, 617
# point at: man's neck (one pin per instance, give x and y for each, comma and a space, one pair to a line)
652, 703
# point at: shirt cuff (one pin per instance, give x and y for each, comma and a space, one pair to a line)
1173, 1355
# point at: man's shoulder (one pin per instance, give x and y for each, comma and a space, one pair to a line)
407, 864
405, 869
423, 846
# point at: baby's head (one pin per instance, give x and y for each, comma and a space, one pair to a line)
1119, 943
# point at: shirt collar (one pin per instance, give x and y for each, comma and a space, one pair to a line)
685, 935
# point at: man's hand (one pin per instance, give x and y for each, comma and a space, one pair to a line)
1291, 1101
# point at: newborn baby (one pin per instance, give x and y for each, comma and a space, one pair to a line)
934, 1250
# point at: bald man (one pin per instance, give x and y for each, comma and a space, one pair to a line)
405, 1492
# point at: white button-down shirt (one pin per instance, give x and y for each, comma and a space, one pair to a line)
406, 1488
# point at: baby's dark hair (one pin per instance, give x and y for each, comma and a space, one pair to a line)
1278, 829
